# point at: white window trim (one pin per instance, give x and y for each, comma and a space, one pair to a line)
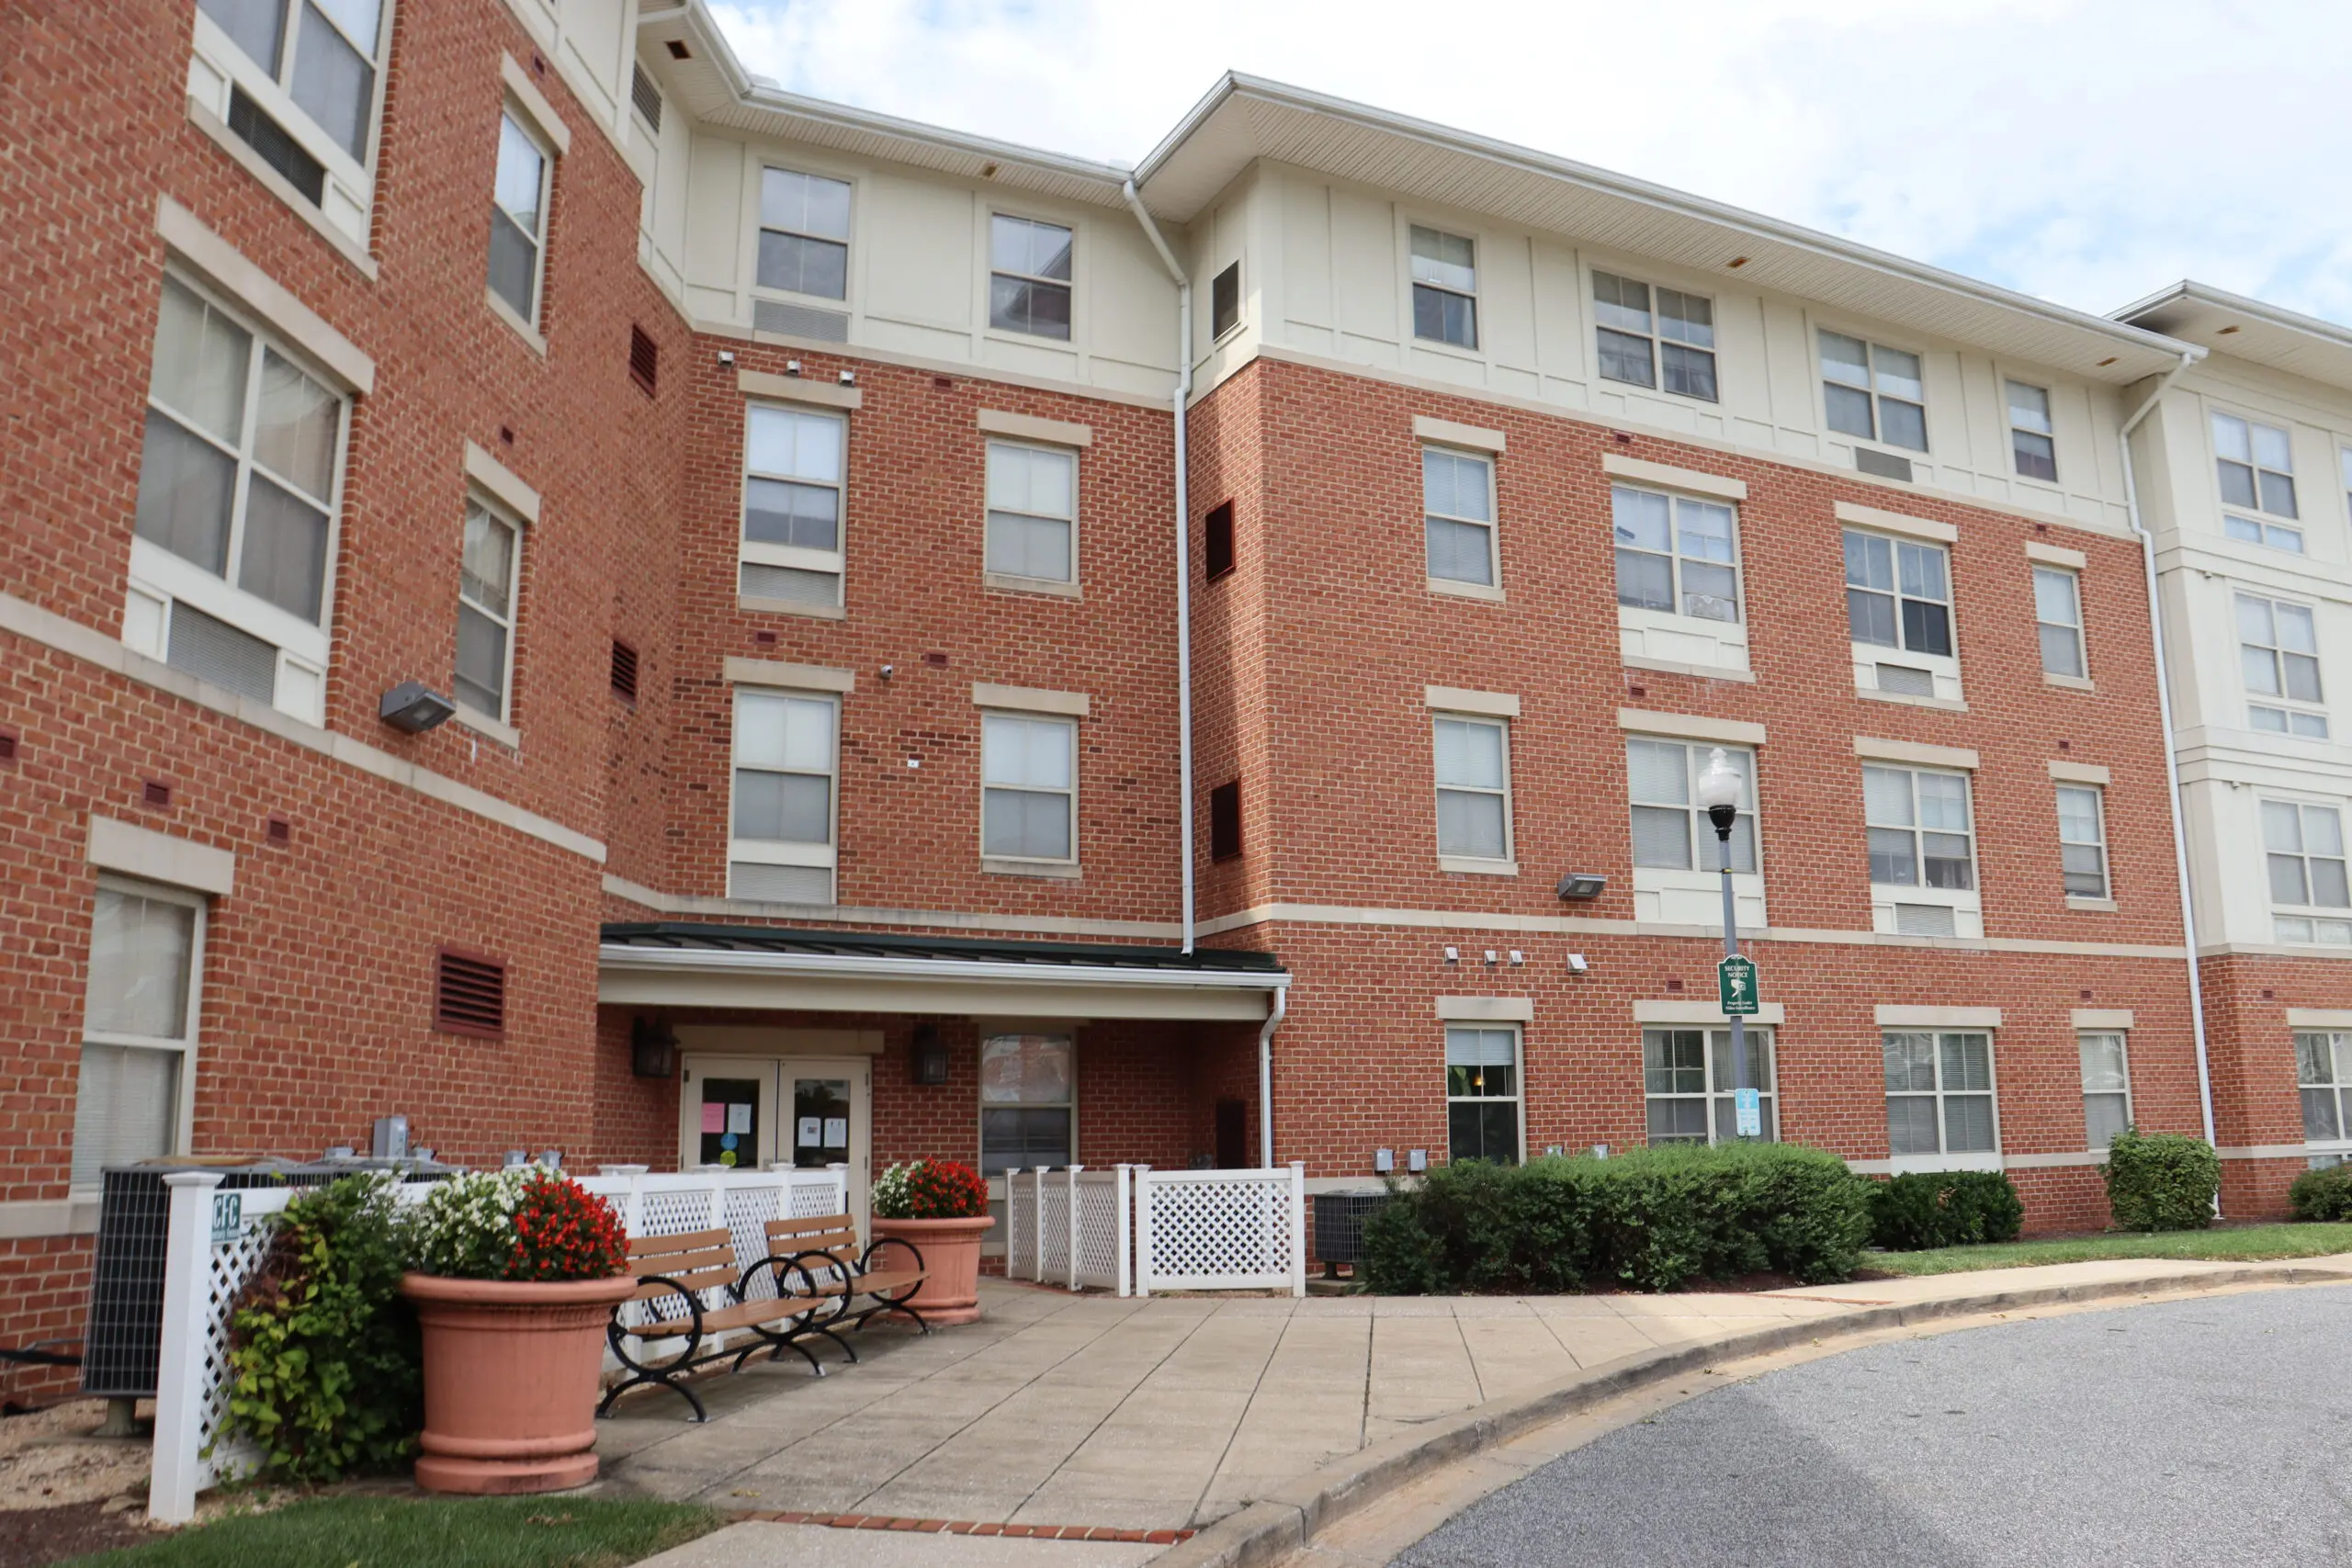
1407, 223
2010, 428
1507, 866
1493, 524
1821, 384
2082, 639
1516, 1097
2300, 525
1028, 865
778, 852
1967, 905
188, 1048
1943, 668
1702, 880
1981, 1160
498, 726
2341, 1145
833, 562
2301, 912
2106, 895
1715, 1092
2278, 652
2124, 1036
848, 241
1734, 631
226, 272
1655, 338
1069, 587
512, 108
1063, 1029
990, 272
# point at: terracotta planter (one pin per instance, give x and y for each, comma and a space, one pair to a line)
510, 1370
951, 1252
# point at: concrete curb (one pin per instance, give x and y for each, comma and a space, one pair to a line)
1292, 1514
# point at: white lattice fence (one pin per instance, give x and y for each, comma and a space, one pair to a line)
1221, 1230
1020, 1190
1101, 1227
1052, 1228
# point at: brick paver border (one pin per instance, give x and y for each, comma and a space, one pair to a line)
960, 1527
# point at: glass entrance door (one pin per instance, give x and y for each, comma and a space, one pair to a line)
828, 1103
727, 1108
749, 1112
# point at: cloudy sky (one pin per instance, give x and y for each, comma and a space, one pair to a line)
2087, 150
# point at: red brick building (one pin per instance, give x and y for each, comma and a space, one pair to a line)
556, 589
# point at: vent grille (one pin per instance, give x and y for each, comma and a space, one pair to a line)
799, 321
1224, 301
157, 793
790, 584
1923, 920
1224, 821
214, 650
1885, 465
1904, 681
278, 149
7, 745
644, 360
469, 996
623, 670
1217, 540
646, 96
780, 883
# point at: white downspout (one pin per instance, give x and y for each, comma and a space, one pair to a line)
1274, 1010
2164, 710
1184, 548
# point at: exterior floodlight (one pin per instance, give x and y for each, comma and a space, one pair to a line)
414, 706
1581, 884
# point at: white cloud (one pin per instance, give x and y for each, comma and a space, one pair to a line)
2080, 149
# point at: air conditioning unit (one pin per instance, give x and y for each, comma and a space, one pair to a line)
1339, 1227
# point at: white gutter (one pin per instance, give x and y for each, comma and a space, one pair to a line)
1183, 548
687, 960
1279, 1005
2163, 709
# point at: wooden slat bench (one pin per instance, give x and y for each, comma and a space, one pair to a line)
825, 1248
679, 1272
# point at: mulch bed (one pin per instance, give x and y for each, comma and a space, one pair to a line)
34, 1538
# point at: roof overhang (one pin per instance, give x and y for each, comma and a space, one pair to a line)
1246, 118
2248, 329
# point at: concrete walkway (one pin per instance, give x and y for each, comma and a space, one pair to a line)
1172, 1413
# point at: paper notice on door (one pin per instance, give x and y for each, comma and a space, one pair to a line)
810, 1127
739, 1118
714, 1116
836, 1132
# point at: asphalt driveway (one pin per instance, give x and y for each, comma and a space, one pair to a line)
2208, 1431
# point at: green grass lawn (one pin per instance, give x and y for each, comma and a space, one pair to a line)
2224, 1244
358, 1531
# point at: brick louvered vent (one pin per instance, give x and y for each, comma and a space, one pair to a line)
646, 96
623, 670
644, 360
469, 996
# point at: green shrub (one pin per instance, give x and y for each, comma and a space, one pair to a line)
2160, 1181
2324, 1194
1650, 1218
1950, 1208
323, 1353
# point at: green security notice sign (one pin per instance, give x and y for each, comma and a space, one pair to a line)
1736, 987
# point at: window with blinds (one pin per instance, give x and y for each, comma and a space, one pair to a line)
139, 1026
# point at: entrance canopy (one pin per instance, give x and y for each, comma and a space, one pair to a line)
685, 963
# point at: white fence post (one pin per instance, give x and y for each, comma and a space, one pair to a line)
1071, 1258
1037, 1258
1125, 1224
179, 1380
1143, 1230
1298, 1227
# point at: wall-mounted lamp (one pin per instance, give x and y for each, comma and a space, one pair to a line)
414, 706
652, 1049
927, 1056
1580, 885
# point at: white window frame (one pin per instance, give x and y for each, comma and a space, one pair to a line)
990, 861
2045, 432
221, 66
528, 321
2122, 1038
785, 851
2254, 522
1509, 862
1491, 522
2074, 629
2304, 924
846, 239
1872, 348
186, 1046
1888, 898
2301, 718
511, 623
1692, 894
1945, 1157
1942, 669
2337, 1086
1718, 1098
1069, 285
1001, 1028
834, 563
160, 580
2098, 796
1071, 455
1676, 558
1415, 283
1517, 1099
1653, 338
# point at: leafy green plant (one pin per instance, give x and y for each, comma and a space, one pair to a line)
323, 1356
1947, 1207
1650, 1218
2323, 1194
2161, 1181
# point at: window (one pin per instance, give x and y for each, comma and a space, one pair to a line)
1028, 788
804, 233
1224, 301
1032, 512
1217, 541
793, 461
1445, 288
1687, 1082
1473, 789
1675, 554
1458, 515
1029, 276
1224, 821
518, 219
2257, 469
489, 578
1028, 1101
2279, 653
2324, 1071
1872, 391
2106, 1085
2058, 621
1482, 1094
2082, 840
1898, 594
140, 1017
781, 847
1919, 829
1673, 347
237, 487
2031, 446
304, 93
1938, 1093
1669, 831
2304, 846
